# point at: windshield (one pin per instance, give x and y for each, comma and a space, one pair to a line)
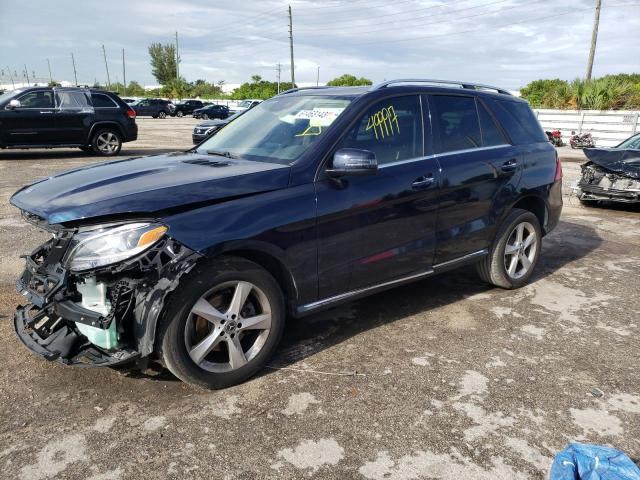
7, 95
279, 130
633, 142
245, 103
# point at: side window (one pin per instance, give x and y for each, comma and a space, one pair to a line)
491, 134
456, 120
392, 129
523, 123
37, 99
102, 101
72, 100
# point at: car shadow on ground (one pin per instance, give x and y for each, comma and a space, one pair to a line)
53, 154
315, 333
310, 335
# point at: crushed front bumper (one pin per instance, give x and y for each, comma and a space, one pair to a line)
598, 184
52, 323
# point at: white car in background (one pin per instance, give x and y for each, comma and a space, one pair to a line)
245, 105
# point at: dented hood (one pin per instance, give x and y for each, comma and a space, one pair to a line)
146, 185
620, 160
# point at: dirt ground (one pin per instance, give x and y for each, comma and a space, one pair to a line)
446, 378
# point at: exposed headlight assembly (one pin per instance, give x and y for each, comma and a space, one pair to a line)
111, 244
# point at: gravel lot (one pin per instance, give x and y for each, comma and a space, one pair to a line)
446, 378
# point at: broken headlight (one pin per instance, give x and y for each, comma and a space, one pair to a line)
111, 244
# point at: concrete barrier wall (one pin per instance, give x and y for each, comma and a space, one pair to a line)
607, 127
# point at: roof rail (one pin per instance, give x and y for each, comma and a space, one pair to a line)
469, 85
291, 90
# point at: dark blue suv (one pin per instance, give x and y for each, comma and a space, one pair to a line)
312, 198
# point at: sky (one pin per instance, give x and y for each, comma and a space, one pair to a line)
501, 42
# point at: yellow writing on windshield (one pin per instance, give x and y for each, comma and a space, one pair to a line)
384, 123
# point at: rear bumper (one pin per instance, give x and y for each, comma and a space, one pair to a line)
130, 132
554, 204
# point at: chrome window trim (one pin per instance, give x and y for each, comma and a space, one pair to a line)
469, 150
402, 162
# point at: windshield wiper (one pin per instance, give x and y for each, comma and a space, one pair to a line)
222, 154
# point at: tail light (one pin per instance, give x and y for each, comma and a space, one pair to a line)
558, 176
131, 113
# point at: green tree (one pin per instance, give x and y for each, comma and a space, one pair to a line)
163, 62
348, 80
258, 88
134, 89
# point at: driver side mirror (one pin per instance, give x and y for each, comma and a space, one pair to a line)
353, 161
13, 104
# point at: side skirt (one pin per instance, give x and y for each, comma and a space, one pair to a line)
318, 305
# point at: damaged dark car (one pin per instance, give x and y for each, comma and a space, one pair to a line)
611, 174
312, 198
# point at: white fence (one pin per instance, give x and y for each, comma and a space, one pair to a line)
607, 127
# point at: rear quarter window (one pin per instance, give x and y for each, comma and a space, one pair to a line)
102, 101
519, 121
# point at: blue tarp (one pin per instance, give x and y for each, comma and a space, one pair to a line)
581, 461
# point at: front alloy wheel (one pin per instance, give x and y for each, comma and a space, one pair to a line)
224, 323
162, 115
228, 326
179, 113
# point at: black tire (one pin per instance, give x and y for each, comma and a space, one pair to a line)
492, 268
162, 114
171, 338
179, 113
205, 116
106, 142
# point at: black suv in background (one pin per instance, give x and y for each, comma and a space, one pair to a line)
44, 117
187, 107
212, 111
154, 107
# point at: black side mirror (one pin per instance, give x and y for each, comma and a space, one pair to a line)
353, 161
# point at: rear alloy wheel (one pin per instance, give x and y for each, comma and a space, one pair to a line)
179, 113
226, 327
106, 143
515, 251
205, 116
162, 114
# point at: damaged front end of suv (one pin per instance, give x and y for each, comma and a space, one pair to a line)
610, 175
95, 292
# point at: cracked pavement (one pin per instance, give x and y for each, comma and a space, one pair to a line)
445, 378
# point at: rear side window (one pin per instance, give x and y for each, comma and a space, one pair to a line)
73, 100
521, 123
491, 134
391, 128
102, 101
456, 120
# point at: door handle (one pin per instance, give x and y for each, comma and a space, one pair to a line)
509, 165
423, 181
46, 111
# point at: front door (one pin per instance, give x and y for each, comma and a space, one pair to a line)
377, 228
32, 123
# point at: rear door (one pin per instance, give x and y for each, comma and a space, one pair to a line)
376, 228
143, 108
74, 116
32, 123
480, 171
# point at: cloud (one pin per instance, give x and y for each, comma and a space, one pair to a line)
508, 42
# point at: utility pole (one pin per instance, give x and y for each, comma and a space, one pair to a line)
177, 59
104, 53
594, 38
318, 77
279, 69
124, 74
75, 75
11, 77
293, 74
26, 74
50, 76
